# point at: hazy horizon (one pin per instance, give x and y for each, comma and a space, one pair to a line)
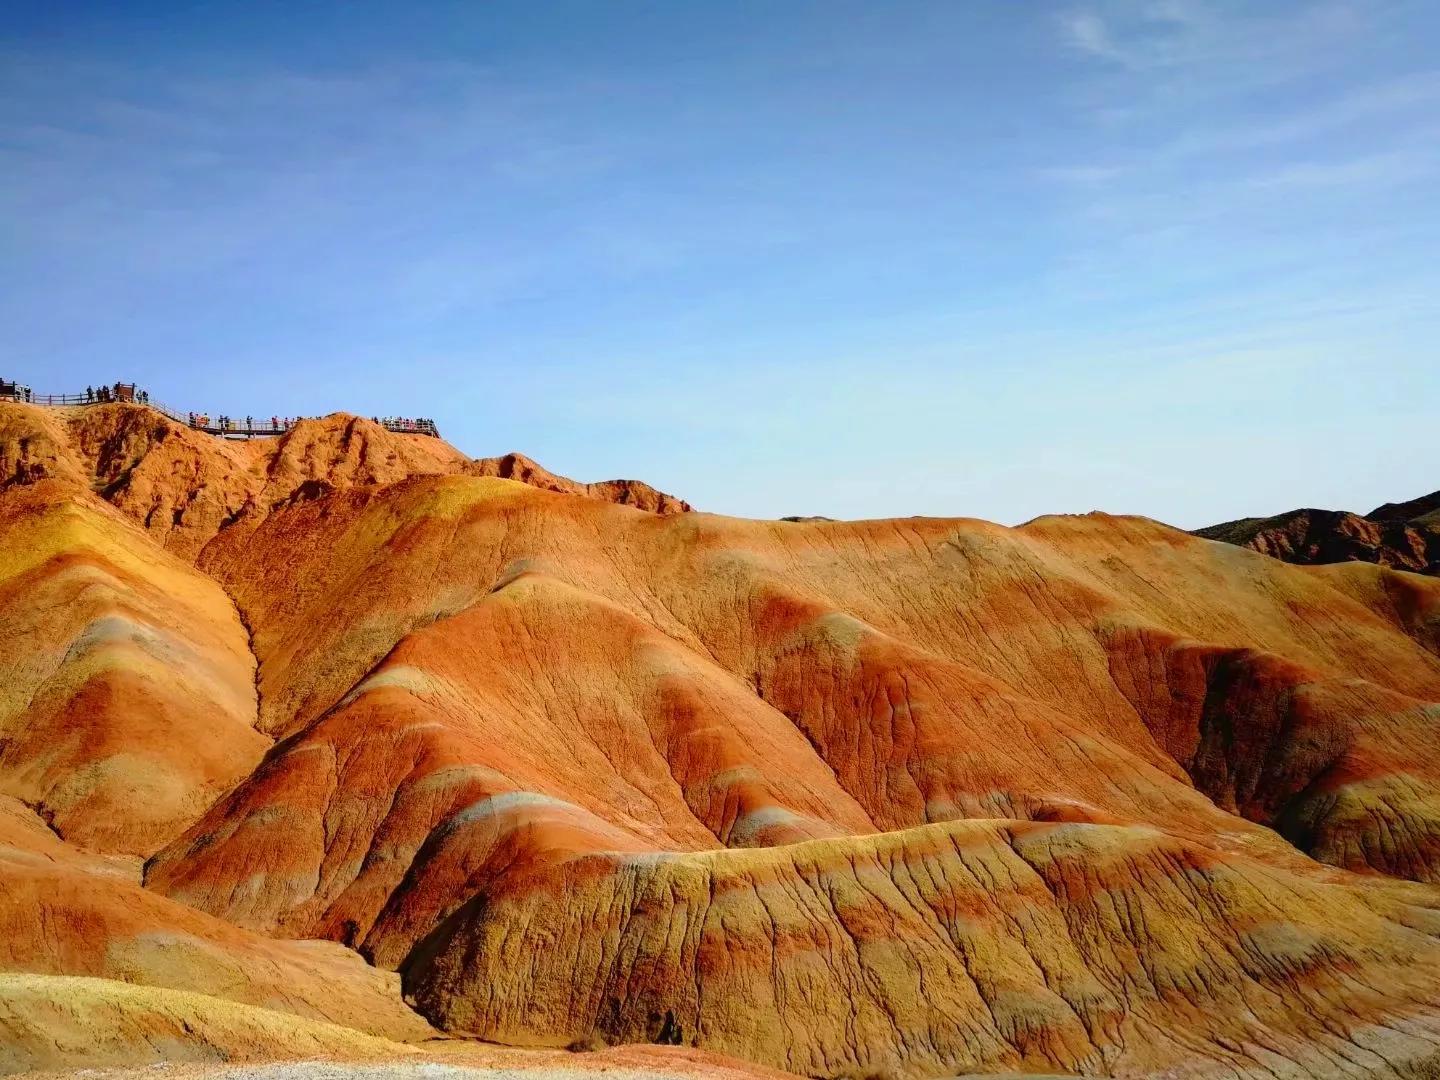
1169, 258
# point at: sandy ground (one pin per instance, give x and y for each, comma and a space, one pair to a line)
539, 1069
331, 1070
457, 1060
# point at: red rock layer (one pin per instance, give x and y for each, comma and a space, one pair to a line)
877, 798
510, 718
625, 492
127, 697
969, 946
184, 486
67, 912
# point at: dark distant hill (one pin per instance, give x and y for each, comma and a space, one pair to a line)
1425, 509
1405, 535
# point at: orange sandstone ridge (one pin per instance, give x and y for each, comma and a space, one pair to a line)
343, 745
184, 486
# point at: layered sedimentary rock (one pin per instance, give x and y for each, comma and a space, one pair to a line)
60, 919
65, 1023
1405, 535
127, 696
184, 486
35, 445
486, 688
969, 946
456, 759
96, 970
625, 492
75, 909
899, 798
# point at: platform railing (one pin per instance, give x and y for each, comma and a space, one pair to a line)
54, 399
204, 421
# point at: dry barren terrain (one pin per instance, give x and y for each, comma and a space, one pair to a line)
344, 746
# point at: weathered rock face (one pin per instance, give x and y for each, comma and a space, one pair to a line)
64, 1023
458, 758
127, 696
895, 798
625, 492
64, 914
971, 946
1405, 536
184, 486
35, 446
511, 717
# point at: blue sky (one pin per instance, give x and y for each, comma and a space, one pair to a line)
994, 259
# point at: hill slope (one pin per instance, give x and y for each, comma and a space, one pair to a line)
918, 797
185, 486
1405, 535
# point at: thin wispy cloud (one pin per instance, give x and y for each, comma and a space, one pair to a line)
1371, 172
1216, 145
1088, 32
1081, 175
1152, 35
1191, 52
1413, 97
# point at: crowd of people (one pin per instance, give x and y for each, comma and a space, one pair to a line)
118, 392
223, 425
422, 426
94, 395
279, 424
232, 423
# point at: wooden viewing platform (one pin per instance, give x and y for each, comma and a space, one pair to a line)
228, 427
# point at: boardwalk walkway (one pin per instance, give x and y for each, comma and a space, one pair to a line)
229, 427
